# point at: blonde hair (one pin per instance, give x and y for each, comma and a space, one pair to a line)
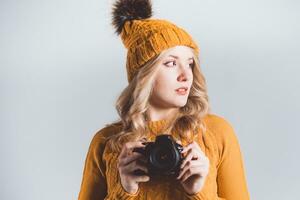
132, 105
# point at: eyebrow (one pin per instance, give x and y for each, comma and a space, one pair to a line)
178, 57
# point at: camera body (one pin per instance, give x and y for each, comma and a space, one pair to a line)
163, 156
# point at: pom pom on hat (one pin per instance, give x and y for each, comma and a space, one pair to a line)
127, 10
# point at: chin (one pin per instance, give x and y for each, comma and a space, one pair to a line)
180, 104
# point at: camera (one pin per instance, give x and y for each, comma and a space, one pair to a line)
163, 156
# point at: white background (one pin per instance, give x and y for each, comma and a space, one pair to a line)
62, 68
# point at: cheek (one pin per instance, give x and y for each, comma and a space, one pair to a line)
164, 83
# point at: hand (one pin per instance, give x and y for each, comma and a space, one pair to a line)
194, 169
128, 162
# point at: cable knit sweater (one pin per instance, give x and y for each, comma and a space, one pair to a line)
226, 178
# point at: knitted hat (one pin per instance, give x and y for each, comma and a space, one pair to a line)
144, 37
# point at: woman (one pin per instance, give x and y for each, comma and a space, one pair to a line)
166, 94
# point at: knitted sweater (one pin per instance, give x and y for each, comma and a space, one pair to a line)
226, 178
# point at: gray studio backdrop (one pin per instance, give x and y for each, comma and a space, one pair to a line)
62, 68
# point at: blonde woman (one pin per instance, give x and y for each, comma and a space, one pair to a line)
166, 95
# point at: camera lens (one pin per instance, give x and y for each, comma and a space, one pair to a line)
163, 158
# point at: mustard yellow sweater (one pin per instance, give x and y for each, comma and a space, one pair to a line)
226, 178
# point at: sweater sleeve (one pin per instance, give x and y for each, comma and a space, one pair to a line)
231, 178
116, 190
94, 184
201, 196
119, 193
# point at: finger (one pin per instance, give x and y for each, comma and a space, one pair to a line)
199, 171
129, 146
188, 147
143, 139
178, 142
135, 165
138, 179
198, 148
191, 154
143, 160
193, 145
189, 165
189, 173
128, 159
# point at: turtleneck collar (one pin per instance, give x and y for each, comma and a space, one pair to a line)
157, 126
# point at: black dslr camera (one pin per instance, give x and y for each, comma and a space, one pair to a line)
163, 156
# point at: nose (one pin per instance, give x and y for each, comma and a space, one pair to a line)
182, 76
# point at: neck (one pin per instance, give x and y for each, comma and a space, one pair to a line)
156, 114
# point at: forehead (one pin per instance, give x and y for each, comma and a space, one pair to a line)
180, 52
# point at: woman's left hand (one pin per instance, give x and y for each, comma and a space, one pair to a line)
194, 169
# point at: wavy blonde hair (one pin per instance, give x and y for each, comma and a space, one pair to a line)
132, 105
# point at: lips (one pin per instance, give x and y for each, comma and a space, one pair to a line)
181, 89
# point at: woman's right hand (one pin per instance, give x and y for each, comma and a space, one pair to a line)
128, 162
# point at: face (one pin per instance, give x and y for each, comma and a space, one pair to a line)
174, 78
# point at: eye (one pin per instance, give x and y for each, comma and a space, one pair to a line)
192, 65
170, 63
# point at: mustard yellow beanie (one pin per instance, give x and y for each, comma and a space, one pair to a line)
143, 37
